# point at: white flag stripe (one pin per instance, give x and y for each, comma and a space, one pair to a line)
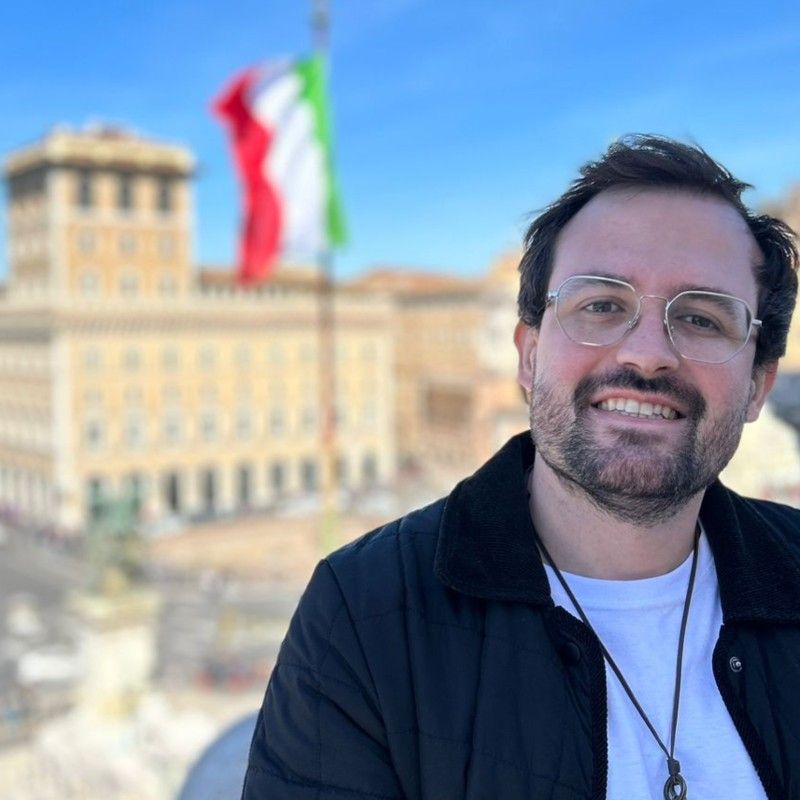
276, 98
291, 139
306, 197
295, 164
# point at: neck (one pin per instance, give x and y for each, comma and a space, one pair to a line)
585, 540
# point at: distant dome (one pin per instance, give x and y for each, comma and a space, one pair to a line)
219, 772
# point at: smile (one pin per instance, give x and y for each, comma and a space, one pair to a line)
633, 408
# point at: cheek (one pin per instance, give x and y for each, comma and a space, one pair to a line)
725, 393
559, 361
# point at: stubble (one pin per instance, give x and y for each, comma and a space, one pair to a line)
631, 479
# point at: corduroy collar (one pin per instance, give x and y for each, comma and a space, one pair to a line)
486, 544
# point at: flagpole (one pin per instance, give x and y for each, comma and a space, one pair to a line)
320, 24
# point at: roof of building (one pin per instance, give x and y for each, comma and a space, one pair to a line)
209, 276
411, 282
100, 145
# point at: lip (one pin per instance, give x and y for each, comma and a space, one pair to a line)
627, 394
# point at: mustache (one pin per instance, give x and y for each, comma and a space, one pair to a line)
670, 386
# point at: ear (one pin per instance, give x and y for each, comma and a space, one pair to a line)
526, 339
760, 386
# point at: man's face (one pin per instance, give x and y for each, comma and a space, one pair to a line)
642, 468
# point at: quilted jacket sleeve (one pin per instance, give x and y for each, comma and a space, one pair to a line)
320, 733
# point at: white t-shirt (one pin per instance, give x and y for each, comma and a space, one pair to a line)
639, 623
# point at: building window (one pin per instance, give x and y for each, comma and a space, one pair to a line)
208, 392
368, 417
171, 393
208, 426
85, 188
244, 424
132, 360
243, 356
277, 478
166, 246
86, 241
369, 470
133, 395
243, 482
341, 471
167, 285
129, 284
164, 195
94, 434
95, 499
135, 491
170, 359
277, 422
172, 492
92, 359
172, 428
93, 397
207, 358
308, 475
127, 244
208, 490
125, 192
134, 431
89, 283
309, 419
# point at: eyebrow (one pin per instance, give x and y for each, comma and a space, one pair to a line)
684, 287
690, 287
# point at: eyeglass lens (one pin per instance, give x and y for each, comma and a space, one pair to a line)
705, 326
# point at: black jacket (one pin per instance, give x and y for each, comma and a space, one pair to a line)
427, 659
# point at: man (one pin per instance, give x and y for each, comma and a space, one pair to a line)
591, 614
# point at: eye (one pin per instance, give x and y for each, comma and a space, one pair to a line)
602, 307
700, 322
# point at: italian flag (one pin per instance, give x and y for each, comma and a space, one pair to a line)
280, 132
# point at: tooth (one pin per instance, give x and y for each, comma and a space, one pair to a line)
646, 410
619, 404
632, 406
670, 413
605, 405
657, 409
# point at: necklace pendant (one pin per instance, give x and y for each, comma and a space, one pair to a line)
675, 787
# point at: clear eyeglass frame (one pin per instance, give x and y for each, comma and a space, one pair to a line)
553, 297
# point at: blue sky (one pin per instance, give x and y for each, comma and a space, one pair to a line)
454, 120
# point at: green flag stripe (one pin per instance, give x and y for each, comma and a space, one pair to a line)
314, 91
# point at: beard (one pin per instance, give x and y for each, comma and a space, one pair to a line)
631, 478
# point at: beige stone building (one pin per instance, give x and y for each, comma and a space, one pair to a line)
457, 396
124, 372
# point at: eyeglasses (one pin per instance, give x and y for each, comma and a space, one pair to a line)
702, 326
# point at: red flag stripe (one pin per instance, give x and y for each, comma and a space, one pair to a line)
261, 225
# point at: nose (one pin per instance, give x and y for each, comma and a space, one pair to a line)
647, 346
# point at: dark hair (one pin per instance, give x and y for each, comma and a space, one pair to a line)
640, 160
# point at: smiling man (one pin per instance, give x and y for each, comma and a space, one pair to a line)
591, 614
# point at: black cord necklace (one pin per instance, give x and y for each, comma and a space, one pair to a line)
675, 786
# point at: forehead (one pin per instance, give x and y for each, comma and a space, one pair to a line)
660, 241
